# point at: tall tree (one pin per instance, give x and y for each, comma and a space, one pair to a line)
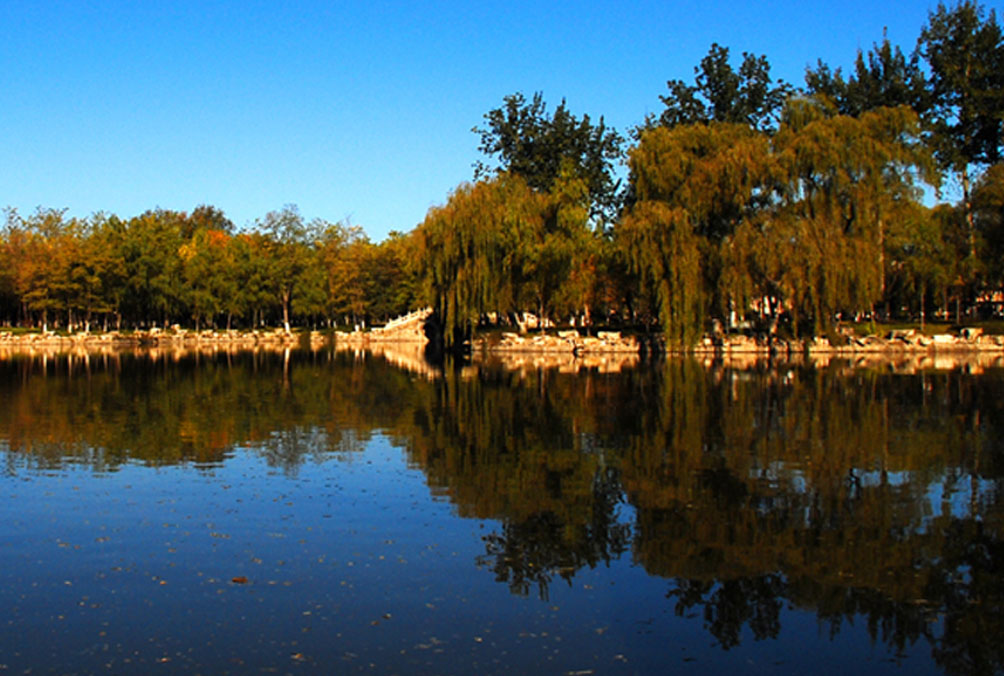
287, 254
842, 178
206, 264
749, 96
207, 217
883, 77
392, 284
920, 262
964, 50
692, 186
724, 214
342, 249
151, 242
988, 216
522, 138
39, 276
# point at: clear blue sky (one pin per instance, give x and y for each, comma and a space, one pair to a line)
359, 111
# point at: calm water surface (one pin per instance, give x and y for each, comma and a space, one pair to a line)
329, 512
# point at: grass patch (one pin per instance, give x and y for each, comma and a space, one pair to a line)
992, 327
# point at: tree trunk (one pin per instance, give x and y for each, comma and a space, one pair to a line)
921, 309
285, 310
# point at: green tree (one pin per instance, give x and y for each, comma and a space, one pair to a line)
988, 214
207, 272
391, 288
471, 250
343, 250
287, 255
150, 252
692, 186
841, 178
522, 138
749, 96
883, 78
920, 265
251, 275
553, 252
964, 50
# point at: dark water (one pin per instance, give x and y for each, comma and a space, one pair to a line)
326, 513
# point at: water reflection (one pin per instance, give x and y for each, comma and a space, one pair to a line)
843, 490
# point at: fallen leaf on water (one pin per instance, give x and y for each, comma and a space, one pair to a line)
240, 579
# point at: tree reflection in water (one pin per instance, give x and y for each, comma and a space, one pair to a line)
528, 554
845, 492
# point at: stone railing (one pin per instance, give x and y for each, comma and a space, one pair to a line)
409, 328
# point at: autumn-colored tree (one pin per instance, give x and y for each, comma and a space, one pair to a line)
842, 177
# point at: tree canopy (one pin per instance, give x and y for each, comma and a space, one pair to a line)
720, 93
520, 137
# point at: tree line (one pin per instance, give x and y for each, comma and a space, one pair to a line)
746, 201
164, 267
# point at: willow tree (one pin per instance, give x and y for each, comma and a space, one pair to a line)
840, 180
665, 252
472, 247
692, 186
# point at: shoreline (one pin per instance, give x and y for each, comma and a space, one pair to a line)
612, 342
570, 342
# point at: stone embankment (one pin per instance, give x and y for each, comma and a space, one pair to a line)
410, 329
156, 337
899, 341
569, 342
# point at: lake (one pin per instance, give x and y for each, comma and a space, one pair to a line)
320, 512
